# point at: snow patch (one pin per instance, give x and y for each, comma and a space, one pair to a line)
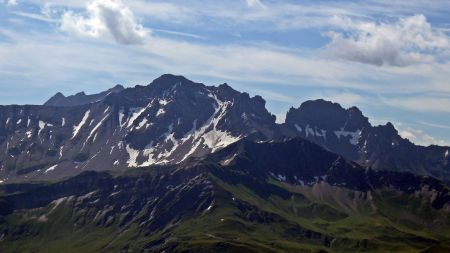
77, 128
142, 123
228, 160
95, 129
210, 207
51, 168
161, 111
354, 135
313, 131
121, 115
309, 131
133, 156
298, 128
61, 151
163, 102
279, 177
57, 202
135, 113
41, 126
216, 139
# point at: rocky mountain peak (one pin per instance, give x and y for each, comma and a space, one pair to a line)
165, 122
327, 115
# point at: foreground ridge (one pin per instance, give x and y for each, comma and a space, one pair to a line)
274, 196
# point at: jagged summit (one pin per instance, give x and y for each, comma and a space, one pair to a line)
165, 122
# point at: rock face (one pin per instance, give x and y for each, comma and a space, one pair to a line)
348, 132
165, 122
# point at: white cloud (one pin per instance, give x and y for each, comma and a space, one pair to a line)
434, 125
105, 17
34, 16
418, 136
254, 3
424, 103
408, 41
10, 2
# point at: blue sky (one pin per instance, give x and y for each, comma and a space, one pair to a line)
389, 58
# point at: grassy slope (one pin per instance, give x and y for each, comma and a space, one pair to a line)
267, 224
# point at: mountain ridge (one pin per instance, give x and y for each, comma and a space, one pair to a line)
173, 118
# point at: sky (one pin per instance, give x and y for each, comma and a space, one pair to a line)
390, 58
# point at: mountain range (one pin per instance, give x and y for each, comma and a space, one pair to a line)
178, 166
173, 119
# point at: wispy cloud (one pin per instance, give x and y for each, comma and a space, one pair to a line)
35, 16
420, 103
434, 125
183, 34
